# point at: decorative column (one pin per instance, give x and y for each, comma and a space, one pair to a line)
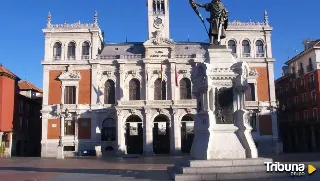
176, 138
121, 82
76, 126
147, 134
121, 131
95, 75
62, 118
172, 81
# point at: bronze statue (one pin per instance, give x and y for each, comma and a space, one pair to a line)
218, 19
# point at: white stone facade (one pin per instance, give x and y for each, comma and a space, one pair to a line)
142, 61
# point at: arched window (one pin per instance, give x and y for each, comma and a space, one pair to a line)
185, 89
160, 90
108, 132
134, 89
245, 48
57, 51
232, 46
109, 92
85, 50
260, 48
71, 51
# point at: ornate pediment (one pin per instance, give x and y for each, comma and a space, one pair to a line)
158, 39
70, 75
253, 73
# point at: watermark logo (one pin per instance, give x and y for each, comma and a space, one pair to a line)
292, 168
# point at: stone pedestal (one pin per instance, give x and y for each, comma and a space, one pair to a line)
215, 141
60, 154
223, 147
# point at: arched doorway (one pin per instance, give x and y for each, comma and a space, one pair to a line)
134, 135
161, 135
187, 133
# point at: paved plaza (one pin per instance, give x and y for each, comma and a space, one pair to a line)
105, 169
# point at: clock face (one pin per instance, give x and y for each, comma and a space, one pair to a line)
158, 21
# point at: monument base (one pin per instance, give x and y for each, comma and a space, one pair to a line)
228, 169
60, 154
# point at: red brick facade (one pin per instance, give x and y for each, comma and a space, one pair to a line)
84, 132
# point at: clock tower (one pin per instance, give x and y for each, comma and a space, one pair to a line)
158, 18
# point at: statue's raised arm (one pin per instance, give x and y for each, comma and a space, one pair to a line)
218, 20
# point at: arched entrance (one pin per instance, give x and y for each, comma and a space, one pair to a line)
187, 133
161, 135
134, 135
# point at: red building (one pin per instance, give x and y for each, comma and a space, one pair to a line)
298, 94
8, 96
20, 121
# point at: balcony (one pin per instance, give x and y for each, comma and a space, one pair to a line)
85, 57
71, 57
309, 67
312, 85
259, 55
158, 103
300, 71
246, 55
56, 57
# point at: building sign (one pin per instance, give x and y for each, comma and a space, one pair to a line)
190, 127
162, 128
159, 53
133, 129
54, 125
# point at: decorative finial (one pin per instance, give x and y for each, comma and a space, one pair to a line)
95, 18
49, 20
266, 18
65, 22
126, 38
188, 38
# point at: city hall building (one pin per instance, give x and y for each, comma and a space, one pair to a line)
136, 98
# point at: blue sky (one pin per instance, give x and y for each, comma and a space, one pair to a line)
22, 21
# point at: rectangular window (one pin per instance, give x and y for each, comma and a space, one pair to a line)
253, 122
27, 108
311, 78
302, 83
313, 96
69, 148
293, 84
70, 95
287, 88
297, 116
27, 124
296, 100
290, 117
69, 128
315, 114
250, 93
20, 123
304, 98
20, 106
281, 90
305, 115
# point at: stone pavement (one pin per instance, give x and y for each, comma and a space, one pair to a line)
96, 169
